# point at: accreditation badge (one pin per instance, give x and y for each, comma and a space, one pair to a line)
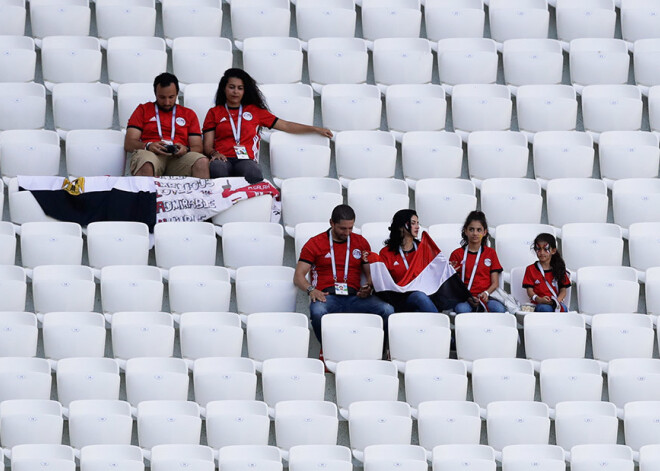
241, 152
341, 289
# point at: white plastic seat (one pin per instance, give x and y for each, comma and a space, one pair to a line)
99, 422
514, 19
589, 18
227, 378
454, 19
309, 199
497, 154
199, 97
633, 200
562, 154
365, 380
308, 457
306, 230
511, 201
252, 243
87, 378
447, 423
262, 457
513, 245
13, 288
640, 424
23, 206
415, 107
607, 290
376, 199
485, 335
415, 335
135, 59
596, 456
289, 379
644, 63
298, 155
125, 18
446, 236
587, 244
7, 247
638, 20
73, 334
30, 421
210, 334
633, 379
649, 457
24, 105
63, 288
273, 59
466, 61
652, 288
546, 108
532, 62
39, 456
276, 335
340, 334
24, 378
98, 457
554, 335
305, 423
29, 152
391, 19
18, 60
131, 287
585, 422
611, 108
521, 457
478, 457
570, 379
517, 423
183, 18
364, 154
116, 242
408, 457
481, 107
265, 289
290, 101
502, 379
18, 334
173, 456
346, 107
184, 243
149, 379
130, 95
200, 59
168, 422
236, 422
621, 336
142, 334
378, 423
92, 152
434, 379
325, 19
642, 249
70, 59
199, 288
82, 106
628, 154
51, 243
402, 61
598, 61
65, 17
336, 60
256, 18
13, 17
576, 200
430, 154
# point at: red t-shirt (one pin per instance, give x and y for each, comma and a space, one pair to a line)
217, 120
144, 119
394, 262
534, 280
488, 263
316, 252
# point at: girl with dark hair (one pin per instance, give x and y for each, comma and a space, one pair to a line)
477, 265
231, 128
547, 279
397, 254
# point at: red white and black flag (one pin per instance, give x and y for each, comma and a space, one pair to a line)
429, 272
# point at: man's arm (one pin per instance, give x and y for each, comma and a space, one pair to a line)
195, 144
132, 140
300, 280
368, 288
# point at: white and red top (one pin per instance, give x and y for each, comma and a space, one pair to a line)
488, 263
534, 279
144, 118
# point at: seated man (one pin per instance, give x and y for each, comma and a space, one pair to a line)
336, 258
165, 138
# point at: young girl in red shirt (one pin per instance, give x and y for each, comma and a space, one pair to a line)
547, 279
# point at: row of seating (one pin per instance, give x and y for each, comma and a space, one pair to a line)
396, 18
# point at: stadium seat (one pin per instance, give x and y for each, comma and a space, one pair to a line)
378, 423
502, 379
532, 62
514, 245
585, 422
169, 456
130, 95
276, 60
252, 243
520, 457
124, 18
634, 200
184, 243
290, 101
298, 155
611, 108
60, 18
649, 457
596, 456
30, 421
336, 60
448, 457
209, 334
13, 287
454, 19
56, 457
515, 19
576, 200
546, 108
142, 334
98, 457
254, 18
168, 422
402, 61
70, 59
376, 199
261, 457
82, 106
415, 107
444, 200
308, 457
652, 288
51, 243
607, 289
554, 335
447, 236
466, 61
640, 425
200, 59
135, 59
517, 423
24, 106
18, 59
29, 152
305, 423
18, 334
116, 242
306, 230
448, 423
621, 336
236, 422
265, 289
410, 457
224, 378
642, 247
184, 18
570, 379
325, 19
194, 288
639, 20
87, 378
131, 287
91, 152
390, 19
13, 17
199, 97
591, 18
73, 334
308, 199
63, 288
375, 232
347, 107
644, 64
276, 335
485, 335
481, 107
633, 379
149, 379
598, 61
99, 422
587, 244
340, 333
414, 335
496, 154
628, 154
289, 379
434, 380
24, 378
364, 154
562, 154
511, 201
365, 380
430, 154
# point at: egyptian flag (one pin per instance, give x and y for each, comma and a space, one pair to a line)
429, 272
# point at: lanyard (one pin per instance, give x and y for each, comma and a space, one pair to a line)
403, 255
474, 268
332, 257
236, 129
554, 293
160, 131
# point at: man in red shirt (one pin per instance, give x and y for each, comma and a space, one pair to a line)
165, 138
336, 259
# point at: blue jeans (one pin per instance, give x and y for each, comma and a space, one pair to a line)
417, 301
493, 306
548, 307
351, 303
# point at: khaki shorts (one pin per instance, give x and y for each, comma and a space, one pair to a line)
169, 165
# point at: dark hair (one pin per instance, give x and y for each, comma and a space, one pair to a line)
557, 264
343, 212
251, 93
478, 216
400, 220
165, 80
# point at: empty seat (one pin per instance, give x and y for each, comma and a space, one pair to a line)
638, 20
288, 379
298, 155
29, 152
652, 285
277, 335
210, 334
31, 456
13, 17
346, 107
169, 456
24, 105
642, 248
63, 288
448, 457
116, 242
305, 423
554, 335
289, 101
13, 288
309, 199
376, 199
256, 18
364, 154
576, 200
402, 61
73, 334
586, 244
264, 289
485, 335
308, 457
648, 457
64, 17
517, 423
415, 107
532, 62
525, 456
236, 422
633, 379
511, 201
434, 380
481, 107
495, 154
70, 59
336, 60
365, 380
87, 378
130, 95
98, 457
149, 379
561, 154
640, 424
611, 108
454, 19
513, 19
340, 333
82, 106
95, 153
378, 423
645, 65
391, 18
165, 422
200, 59
183, 18
51, 243
325, 19
546, 108
596, 456
598, 61
585, 422
621, 336
633, 200
30, 421
125, 18
628, 154
586, 19
264, 457
417, 335
24, 378
502, 379
252, 243
131, 287
99, 422
273, 59
224, 378
18, 334
18, 60
194, 288
430, 154
466, 60
570, 379
188, 243
142, 334
135, 59
448, 422
607, 289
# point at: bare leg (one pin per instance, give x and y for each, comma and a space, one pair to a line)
200, 168
147, 170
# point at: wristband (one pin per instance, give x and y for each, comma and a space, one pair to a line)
146, 146
534, 298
